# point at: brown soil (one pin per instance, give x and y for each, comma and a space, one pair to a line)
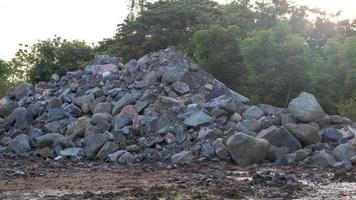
32, 178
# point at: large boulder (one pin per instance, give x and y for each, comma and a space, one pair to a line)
306, 133
48, 139
280, 137
24, 89
7, 106
20, 144
306, 108
246, 150
344, 152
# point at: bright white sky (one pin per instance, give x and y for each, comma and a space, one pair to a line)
26, 21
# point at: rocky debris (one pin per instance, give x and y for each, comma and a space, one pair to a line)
164, 107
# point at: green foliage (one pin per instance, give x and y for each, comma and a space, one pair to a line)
51, 56
4, 71
217, 50
348, 108
274, 60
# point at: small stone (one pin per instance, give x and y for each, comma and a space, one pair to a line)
170, 138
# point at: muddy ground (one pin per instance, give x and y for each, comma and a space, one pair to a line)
33, 178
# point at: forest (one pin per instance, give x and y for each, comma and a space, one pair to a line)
268, 50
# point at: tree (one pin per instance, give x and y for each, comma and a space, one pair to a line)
161, 24
275, 61
217, 50
50, 56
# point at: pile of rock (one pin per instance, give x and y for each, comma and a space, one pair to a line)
164, 107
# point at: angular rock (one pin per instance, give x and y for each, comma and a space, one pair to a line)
280, 137
124, 101
306, 108
197, 118
247, 150
180, 87
224, 102
94, 142
108, 148
323, 159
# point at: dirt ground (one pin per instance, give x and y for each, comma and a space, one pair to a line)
33, 178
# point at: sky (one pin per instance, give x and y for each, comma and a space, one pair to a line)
27, 21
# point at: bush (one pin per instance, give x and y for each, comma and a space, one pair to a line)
348, 108
52, 56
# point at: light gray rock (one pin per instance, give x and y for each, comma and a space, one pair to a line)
184, 157
180, 87
223, 102
238, 97
20, 144
306, 133
306, 108
122, 157
247, 150
71, 152
197, 118
253, 112
48, 139
344, 152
